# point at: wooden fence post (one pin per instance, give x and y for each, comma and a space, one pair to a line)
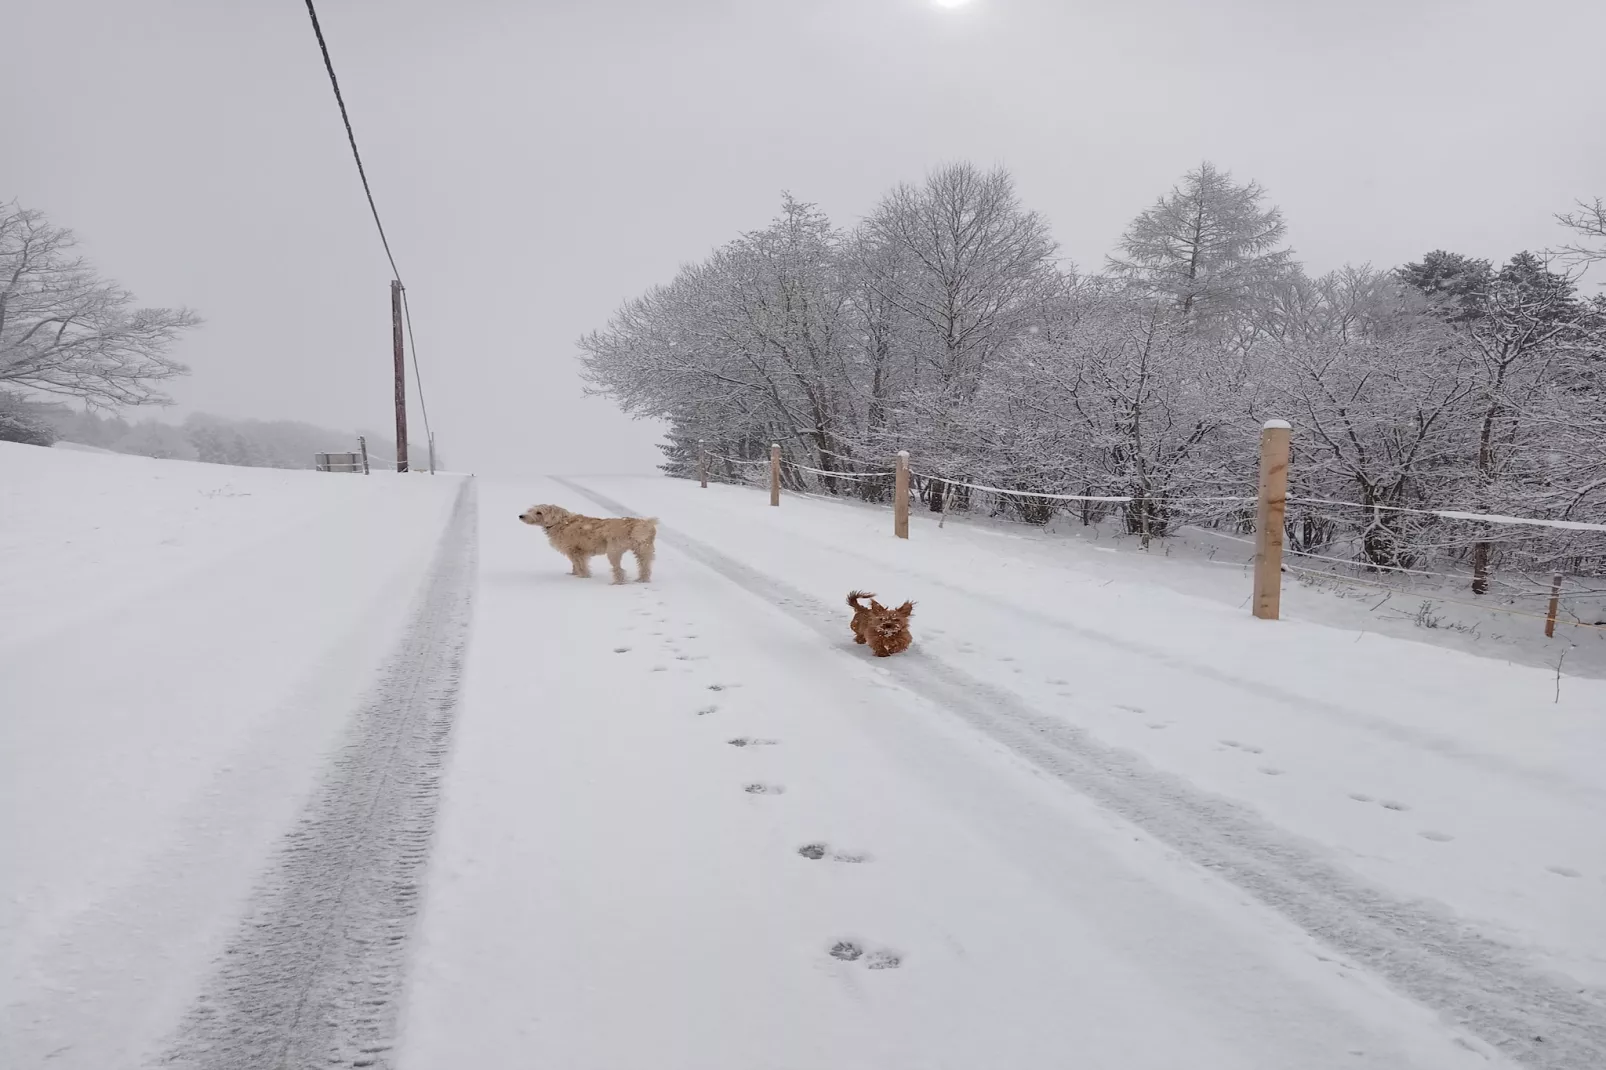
1272, 504
362, 443
1550, 614
775, 473
702, 464
900, 497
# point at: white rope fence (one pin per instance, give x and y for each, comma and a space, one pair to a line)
859, 478
1434, 597
1164, 499
1459, 514
1159, 498
1041, 495
1268, 509
1453, 577
856, 462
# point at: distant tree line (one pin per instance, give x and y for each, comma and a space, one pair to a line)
212, 439
946, 324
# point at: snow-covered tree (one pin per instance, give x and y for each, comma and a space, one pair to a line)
27, 421
1528, 323
66, 331
969, 270
1454, 284
943, 325
1588, 224
1210, 246
1383, 421
1124, 400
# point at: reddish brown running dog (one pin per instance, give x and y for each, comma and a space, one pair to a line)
885, 631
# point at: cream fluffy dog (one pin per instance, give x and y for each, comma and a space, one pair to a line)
580, 538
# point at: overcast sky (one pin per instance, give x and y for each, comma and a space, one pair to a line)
539, 161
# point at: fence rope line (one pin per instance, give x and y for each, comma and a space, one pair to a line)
1114, 498
836, 475
1535, 592
1445, 514
1459, 514
1437, 598
880, 474
418, 378
852, 460
864, 477
1117, 498
1348, 529
1335, 577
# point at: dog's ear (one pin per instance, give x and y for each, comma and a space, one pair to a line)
906, 610
877, 607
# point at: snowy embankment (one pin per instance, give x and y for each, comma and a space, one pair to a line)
183, 647
1088, 817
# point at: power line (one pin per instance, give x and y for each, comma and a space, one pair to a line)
351, 137
362, 173
407, 314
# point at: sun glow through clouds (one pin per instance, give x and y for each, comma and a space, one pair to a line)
950, 3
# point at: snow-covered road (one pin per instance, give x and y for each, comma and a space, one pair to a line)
1097, 817
691, 825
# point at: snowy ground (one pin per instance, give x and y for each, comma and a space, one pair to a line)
1088, 817
1097, 817
182, 646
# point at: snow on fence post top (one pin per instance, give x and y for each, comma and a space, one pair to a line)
1282, 425
904, 454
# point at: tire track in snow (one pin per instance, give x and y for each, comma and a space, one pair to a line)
315, 974
1479, 984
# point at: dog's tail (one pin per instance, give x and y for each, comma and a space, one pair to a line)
644, 529
854, 596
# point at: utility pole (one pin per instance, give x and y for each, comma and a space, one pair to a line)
401, 374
